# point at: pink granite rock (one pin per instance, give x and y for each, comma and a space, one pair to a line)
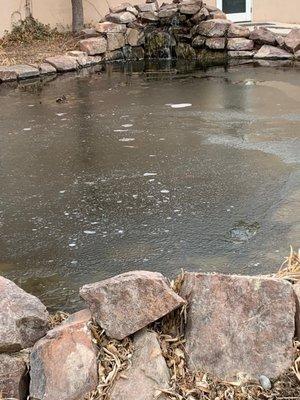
236, 30
213, 27
239, 44
110, 27
23, 318
135, 37
14, 377
7, 74
263, 36
126, 303
115, 41
273, 53
93, 46
63, 63
239, 324
147, 374
292, 40
63, 365
216, 43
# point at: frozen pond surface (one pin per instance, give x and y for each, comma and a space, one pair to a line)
147, 171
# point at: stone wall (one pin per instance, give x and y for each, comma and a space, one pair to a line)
185, 30
138, 328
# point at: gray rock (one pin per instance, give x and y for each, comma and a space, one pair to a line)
14, 377
149, 16
81, 57
7, 74
47, 69
115, 41
124, 17
110, 27
240, 44
241, 54
23, 318
148, 7
147, 374
265, 382
26, 71
216, 43
273, 53
263, 36
126, 303
63, 63
239, 324
93, 46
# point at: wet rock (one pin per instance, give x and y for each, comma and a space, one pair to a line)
297, 55
14, 377
271, 52
240, 44
47, 69
235, 30
265, 382
202, 15
263, 36
63, 63
185, 51
7, 74
134, 53
128, 302
190, 8
115, 41
135, 37
158, 44
296, 288
23, 318
211, 57
149, 16
124, 17
25, 71
216, 43
110, 27
241, 54
292, 40
239, 324
148, 369
198, 41
243, 231
213, 27
63, 365
115, 55
93, 46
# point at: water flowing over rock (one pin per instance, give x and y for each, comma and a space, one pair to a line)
126, 303
64, 363
263, 36
292, 40
14, 377
213, 28
158, 44
147, 374
93, 46
239, 324
271, 52
63, 63
23, 318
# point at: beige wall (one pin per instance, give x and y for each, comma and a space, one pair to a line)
58, 12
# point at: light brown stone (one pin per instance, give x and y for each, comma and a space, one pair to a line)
263, 36
119, 7
190, 8
135, 37
218, 14
124, 17
14, 377
7, 74
149, 16
147, 374
292, 40
235, 30
213, 27
93, 46
216, 43
81, 57
63, 63
126, 303
273, 53
167, 12
23, 318
115, 41
240, 44
239, 324
47, 69
63, 365
148, 7
110, 27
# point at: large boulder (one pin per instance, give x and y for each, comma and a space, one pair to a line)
126, 303
263, 36
292, 40
147, 374
135, 37
93, 46
235, 31
23, 318
63, 365
216, 43
239, 324
213, 27
115, 41
240, 44
63, 63
273, 53
124, 17
14, 377
190, 7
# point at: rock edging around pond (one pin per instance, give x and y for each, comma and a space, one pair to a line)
184, 30
231, 327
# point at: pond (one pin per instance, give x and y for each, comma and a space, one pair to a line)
140, 169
